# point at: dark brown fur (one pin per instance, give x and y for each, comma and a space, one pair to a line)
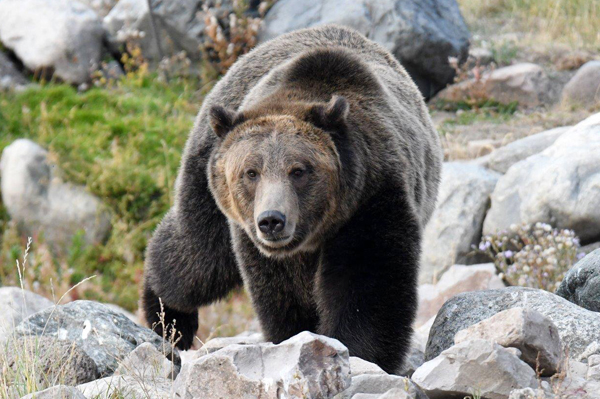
330, 99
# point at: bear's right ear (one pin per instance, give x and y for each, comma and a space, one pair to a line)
331, 116
223, 120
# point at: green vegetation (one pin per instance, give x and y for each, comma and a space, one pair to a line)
123, 142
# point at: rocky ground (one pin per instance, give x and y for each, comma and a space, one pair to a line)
509, 295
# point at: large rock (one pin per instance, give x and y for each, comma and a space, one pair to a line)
180, 24
60, 36
525, 329
478, 365
457, 279
16, 305
503, 158
581, 284
57, 392
304, 366
39, 202
455, 226
584, 86
106, 336
10, 77
422, 34
577, 327
49, 360
558, 186
526, 84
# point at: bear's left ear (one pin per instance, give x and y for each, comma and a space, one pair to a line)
223, 120
331, 116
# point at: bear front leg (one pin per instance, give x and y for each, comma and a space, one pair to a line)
367, 282
186, 269
281, 289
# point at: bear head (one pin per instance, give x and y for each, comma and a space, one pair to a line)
276, 171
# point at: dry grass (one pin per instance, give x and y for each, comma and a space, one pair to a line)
573, 22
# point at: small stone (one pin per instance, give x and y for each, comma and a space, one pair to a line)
145, 362
581, 284
457, 279
584, 86
593, 372
527, 330
304, 366
481, 365
57, 392
528, 393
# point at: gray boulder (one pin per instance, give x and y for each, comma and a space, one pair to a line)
180, 24
581, 284
304, 366
558, 186
456, 223
59, 36
503, 158
576, 326
16, 305
422, 34
473, 365
49, 360
10, 77
39, 201
104, 335
584, 86
57, 392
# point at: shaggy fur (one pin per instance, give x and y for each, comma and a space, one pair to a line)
348, 107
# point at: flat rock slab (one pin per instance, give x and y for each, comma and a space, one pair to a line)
57, 392
305, 366
576, 326
378, 384
581, 284
525, 329
126, 387
476, 365
104, 335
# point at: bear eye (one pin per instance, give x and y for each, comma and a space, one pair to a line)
252, 174
297, 172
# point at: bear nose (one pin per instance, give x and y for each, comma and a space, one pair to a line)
270, 222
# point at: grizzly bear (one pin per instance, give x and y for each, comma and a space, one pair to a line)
308, 177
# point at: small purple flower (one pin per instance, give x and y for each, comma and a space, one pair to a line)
484, 245
508, 254
580, 255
